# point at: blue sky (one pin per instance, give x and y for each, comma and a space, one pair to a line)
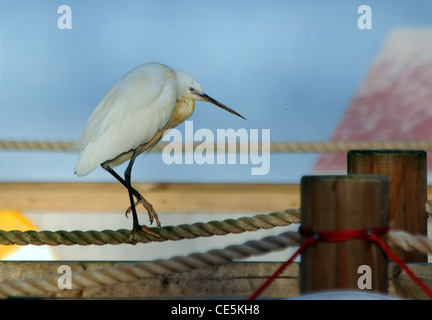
288, 66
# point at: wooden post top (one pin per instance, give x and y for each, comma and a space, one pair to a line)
407, 174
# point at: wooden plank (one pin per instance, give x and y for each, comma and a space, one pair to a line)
403, 286
165, 197
235, 280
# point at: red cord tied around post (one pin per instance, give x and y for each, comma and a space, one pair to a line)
369, 234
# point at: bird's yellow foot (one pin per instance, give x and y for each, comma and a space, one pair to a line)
144, 229
148, 206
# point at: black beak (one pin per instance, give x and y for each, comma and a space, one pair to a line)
207, 98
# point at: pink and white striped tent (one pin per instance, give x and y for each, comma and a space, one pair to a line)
394, 103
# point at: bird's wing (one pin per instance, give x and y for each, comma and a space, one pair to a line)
132, 112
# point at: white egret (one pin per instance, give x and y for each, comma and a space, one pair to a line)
131, 119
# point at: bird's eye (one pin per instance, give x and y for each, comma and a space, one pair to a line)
191, 89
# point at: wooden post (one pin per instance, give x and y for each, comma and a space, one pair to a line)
336, 203
407, 174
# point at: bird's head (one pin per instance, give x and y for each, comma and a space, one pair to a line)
190, 88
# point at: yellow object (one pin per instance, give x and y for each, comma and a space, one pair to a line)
12, 220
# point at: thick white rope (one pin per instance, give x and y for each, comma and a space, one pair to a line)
47, 286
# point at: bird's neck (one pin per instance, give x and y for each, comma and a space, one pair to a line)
182, 111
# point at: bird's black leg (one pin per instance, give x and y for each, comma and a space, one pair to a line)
127, 174
140, 199
123, 182
132, 192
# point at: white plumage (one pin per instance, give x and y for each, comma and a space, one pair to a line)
131, 119
132, 112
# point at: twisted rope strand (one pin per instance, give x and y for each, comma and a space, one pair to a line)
262, 221
409, 243
396, 239
37, 145
275, 147
85, 279
47, 286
